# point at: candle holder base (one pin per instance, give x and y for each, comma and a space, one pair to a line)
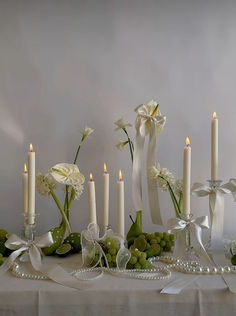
190, 253
28, 234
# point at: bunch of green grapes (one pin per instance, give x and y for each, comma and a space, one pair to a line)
165, 240
138, 260
110, 247
153, 244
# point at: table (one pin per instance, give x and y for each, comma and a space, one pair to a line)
111, 295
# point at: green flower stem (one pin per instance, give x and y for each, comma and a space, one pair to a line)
78, 150
60, 209
181, 201
173, 198
66, 202
131, 145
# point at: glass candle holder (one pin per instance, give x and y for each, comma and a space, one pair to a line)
28, 234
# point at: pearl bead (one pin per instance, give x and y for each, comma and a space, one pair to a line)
206, 270
221, 270
213, 270
199, 269
227, 269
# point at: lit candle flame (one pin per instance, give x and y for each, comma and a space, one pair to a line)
25, 168
105, 168
214, 115
91, 177
120, 175
31, 147
187, 141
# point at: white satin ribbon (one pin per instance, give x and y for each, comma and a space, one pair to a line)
52, 271
176, 225
90, 241
152, 125
34, 247
216, 207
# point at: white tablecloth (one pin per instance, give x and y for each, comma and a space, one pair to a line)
111, 295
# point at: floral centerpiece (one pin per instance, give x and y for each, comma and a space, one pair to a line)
72, 179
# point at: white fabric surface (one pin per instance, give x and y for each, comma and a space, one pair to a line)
110, 295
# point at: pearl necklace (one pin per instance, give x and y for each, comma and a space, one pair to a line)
192, 267
160, 273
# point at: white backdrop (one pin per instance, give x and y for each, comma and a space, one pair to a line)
64, 64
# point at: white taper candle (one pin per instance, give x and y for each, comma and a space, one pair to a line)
120, 206
25, 190
31, 185
214, 147
92, 200
105, 209
186, 178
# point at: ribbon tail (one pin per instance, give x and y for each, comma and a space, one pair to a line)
10, 260
153, 197
217, 224
196, 230
180, 244
60, 276
137, 171
35, 257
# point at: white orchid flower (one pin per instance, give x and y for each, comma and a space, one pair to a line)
87, 131
121, 145
121, 124
43, 184
66, 173
148, 114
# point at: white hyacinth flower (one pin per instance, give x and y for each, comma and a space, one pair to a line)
121, 124
163, 175
66, 173
78, 190
43, 184
178, 186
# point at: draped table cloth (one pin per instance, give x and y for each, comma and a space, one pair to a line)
110, 295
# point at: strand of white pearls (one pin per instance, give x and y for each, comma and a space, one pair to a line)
148, 274
192, 267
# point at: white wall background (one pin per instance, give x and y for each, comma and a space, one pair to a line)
64, 64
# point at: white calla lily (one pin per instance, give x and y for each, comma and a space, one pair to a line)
148, 114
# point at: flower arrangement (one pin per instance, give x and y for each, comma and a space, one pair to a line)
72, 179
166, 180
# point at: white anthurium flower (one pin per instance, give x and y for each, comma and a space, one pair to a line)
68, 174
178, 186
43, 184
121, 145
121, 124
147, 115
87, 131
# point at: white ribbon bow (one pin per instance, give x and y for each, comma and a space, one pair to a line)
195, 226
150, 124
90, 241
216, 207
34, 247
